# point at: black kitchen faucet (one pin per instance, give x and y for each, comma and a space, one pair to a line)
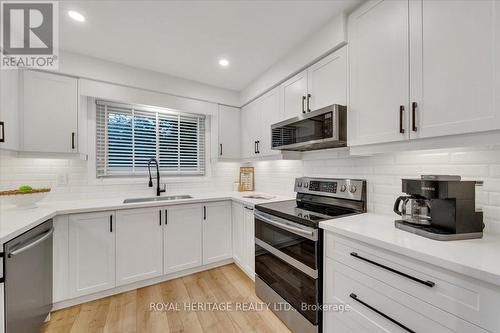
158, 190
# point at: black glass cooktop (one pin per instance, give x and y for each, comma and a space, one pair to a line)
304, 213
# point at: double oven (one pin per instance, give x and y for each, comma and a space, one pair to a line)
289, 247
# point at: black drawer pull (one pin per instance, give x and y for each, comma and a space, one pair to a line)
355, 297
111, 223
427, 283
159, 214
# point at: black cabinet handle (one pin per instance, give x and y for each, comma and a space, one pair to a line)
355, 297
255, 147
258, 148
72, 140
308, 101
414, 116
159, 214
2, 131
166, 219
303, 104
110, 223
220, 145
427, 283
401, 116
204, 212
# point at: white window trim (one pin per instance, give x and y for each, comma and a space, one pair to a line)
116, 180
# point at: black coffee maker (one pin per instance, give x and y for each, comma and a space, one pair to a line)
439, 207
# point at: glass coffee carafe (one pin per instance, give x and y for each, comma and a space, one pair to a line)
413, 209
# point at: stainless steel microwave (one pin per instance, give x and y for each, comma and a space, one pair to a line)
320, 129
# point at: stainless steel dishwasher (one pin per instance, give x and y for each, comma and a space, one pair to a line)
28, 279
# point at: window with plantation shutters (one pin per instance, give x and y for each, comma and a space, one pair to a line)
129, 135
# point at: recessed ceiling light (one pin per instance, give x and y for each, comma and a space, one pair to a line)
76, 16
224, 62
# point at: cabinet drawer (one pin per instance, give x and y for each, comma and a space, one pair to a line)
464, 297
378, 307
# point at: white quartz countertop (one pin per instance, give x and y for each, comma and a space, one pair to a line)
477, 258
15, 221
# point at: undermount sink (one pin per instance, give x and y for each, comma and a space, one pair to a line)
152, 199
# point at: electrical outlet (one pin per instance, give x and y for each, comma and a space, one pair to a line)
62, 179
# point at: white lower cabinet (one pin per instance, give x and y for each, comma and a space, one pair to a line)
216, 232
98, 251
182, 237
244, 238
91, 252
388, 292
139, 244
238, 223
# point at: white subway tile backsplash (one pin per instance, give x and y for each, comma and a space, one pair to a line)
383, 173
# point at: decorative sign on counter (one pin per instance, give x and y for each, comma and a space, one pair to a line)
246, 179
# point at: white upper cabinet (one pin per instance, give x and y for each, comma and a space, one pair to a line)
139, 244
322, 84
250, 119
50, 113
9, 109
294, 95
229, 130
327, 81
379, 74
216, 232
269, 107
91, 253
439, 60
182, 237
455, 51
256, 120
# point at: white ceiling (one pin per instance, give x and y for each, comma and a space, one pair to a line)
186, 38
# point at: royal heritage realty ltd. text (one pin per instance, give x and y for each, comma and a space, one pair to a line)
242, 306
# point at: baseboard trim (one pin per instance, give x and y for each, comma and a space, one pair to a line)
140, 284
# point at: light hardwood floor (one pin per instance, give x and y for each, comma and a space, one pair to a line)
130, 312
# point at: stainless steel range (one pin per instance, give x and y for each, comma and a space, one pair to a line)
289, 247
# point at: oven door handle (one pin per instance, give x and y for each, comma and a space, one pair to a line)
313, 273
308, 233
34, 243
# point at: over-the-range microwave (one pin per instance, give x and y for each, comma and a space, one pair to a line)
320, 129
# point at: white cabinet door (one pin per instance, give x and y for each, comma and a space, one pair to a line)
139, 244
50, 112
229, 132
9, 109
91, 253
250, 122
271, 113
249, 242
294, 95
182, 237
378, 69
453, 62
60, 259
327, 80
216, 232
238, 217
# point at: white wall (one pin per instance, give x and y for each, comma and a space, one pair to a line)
327, 39
111, 72
384, 172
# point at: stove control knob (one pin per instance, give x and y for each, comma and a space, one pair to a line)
306, 184
353, 188
343, 188
299, 184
